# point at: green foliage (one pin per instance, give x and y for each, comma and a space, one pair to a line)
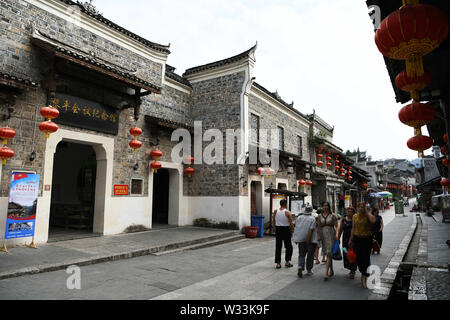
136, 228
315, 140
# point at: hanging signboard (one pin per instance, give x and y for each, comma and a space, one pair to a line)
82, 113
23, 195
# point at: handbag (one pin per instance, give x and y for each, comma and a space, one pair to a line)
351, 256
336, 252
375, 246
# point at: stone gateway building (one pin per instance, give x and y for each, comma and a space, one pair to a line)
105, 80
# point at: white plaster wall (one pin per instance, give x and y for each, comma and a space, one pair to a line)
220, 209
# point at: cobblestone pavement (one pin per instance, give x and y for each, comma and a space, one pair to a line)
438, 284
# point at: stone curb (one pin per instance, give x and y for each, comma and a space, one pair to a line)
112, 257
418, 282
383, 289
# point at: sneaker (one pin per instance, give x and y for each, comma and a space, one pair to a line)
299, 273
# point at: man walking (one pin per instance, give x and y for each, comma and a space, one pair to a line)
305, 235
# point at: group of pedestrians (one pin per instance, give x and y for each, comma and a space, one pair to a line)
360, 229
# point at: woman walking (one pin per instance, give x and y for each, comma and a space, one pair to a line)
345, 229
282, 219
361, 239
327, 223
377, 228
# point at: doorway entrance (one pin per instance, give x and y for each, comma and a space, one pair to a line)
256, 198
160, 215
73, 192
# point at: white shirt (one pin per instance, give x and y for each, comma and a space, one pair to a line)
280, 219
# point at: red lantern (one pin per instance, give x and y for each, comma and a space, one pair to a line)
302, 182
349, 173
156, 154
7, 133
189, 160
189, 171
270, 172
342, 175
417, 115
6, 153
260, 171
364, 185
48, 127
319, 156
319, 163
445, 183
412, 84
336, 156
443, 150
155, 165
49, 113
319, 150
135, 144
342, 169
420, 143
336, 161
337, 167
350, 178
410, 33
328, 158
135, 132
350, 168
329, 165
328, 153
309, 183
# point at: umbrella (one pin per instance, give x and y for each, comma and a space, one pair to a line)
374, 195
385, 194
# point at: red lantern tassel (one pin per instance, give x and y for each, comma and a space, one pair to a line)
414, 66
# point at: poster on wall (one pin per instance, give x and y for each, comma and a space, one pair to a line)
297, 207
23, 195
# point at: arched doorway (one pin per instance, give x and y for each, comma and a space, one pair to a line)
72, 203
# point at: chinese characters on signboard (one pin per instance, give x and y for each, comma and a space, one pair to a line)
121, 190
82, 113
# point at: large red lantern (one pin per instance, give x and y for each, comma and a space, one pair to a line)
319, 164
135, 132
135, 144
419, 144
417, 115
48, 127
7, 133
49, 113
156, 154
410, 33
6, 153
155, 165
329, 165
270, 172
412, 84
342, 175
189, 171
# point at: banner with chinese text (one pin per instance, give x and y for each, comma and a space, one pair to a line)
82, 113
23, 195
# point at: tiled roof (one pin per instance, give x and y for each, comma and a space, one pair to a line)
219, 63
170, 73
83, 57
278, 98
100, 18
11, 80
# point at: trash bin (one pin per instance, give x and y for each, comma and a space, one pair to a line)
258, 221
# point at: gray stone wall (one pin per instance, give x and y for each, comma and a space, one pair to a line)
17, 56
270, 118
216, 102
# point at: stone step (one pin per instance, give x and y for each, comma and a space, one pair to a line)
206, 244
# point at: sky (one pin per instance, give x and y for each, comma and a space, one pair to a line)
319, 54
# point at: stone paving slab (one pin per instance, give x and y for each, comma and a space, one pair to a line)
58, 255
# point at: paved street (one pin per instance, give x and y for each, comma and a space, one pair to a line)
239, 270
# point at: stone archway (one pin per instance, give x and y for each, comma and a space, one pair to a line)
104, 150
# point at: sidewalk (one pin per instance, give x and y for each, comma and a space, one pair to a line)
60, 255
431, 277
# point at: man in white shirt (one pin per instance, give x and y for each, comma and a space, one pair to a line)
305, 235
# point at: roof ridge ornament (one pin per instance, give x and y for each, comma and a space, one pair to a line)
90, 8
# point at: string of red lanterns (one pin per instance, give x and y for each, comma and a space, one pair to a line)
48, 127
156, 165
189, 170
6, 153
